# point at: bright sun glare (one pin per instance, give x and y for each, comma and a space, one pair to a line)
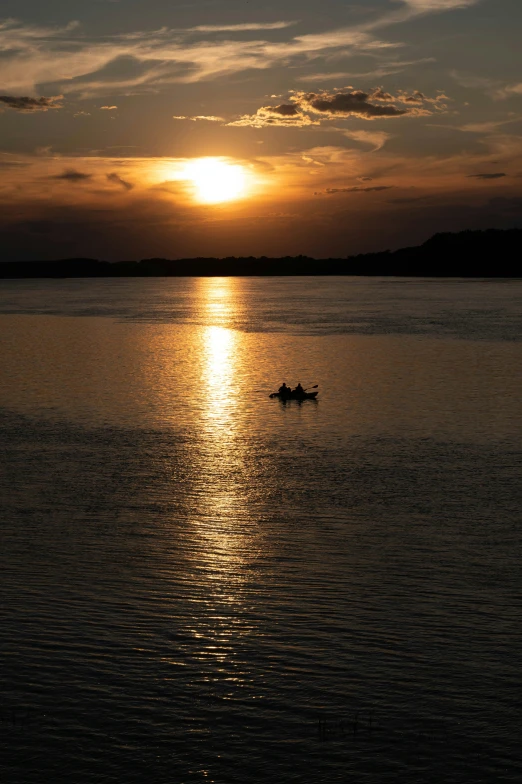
216, 181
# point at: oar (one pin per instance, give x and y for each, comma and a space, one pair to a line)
315, 387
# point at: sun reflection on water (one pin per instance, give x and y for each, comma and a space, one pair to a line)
226, 536
218, 373
223, 441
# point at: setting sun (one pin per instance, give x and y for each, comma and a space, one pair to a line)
215, 180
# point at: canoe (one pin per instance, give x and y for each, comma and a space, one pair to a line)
292, 396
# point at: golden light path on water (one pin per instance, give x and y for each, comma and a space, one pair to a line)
227, 539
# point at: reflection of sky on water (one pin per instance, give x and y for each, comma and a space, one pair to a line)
450, 308
198, 370
246, 565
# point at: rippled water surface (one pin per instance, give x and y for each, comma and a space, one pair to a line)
201, 584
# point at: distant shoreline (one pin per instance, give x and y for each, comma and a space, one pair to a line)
493, 253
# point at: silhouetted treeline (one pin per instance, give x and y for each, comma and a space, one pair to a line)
491, 253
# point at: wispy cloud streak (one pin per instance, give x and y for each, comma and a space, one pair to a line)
240, 27
34, 57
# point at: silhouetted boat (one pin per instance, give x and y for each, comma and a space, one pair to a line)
293, 396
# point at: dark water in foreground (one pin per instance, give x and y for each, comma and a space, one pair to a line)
204, 585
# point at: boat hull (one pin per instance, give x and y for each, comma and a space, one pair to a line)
303, 396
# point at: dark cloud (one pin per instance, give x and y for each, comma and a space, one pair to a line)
71, 175
355, 103
356, 189
23, 103
485, 176
284, 109
117, 180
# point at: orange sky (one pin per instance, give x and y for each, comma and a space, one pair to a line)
223, 131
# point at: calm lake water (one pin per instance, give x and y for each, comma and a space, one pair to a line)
201, 584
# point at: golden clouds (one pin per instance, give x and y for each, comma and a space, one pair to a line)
284, 116
310, 108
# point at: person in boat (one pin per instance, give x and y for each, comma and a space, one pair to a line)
284, 390
298, 390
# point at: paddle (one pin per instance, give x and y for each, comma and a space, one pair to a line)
314, 387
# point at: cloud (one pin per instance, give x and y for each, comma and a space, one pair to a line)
377, 139
486, 127
337, 104
71, 175
382, 70
429, 6
285, 115
354, 189
494, 88
207, 117
284, 109
355, 103
486, 176
90, 66
416, 98
27, 104
381, 95
240, 27
413, 8
474, 82
117, 180
79, 63
33, 55
508, 91
410, 9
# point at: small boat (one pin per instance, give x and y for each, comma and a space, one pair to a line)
294, 396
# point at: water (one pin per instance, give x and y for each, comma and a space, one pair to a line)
205, 585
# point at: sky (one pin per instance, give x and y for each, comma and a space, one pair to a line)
165, 128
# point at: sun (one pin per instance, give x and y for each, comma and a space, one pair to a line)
215, 180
